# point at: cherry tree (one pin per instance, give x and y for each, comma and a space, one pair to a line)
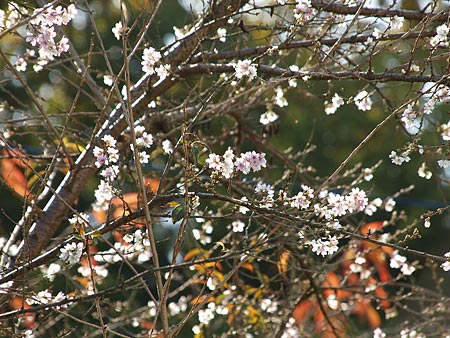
163, 181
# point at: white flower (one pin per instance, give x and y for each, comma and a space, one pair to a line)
292, 83
207, 314
242, 209
338, 204
377, 33
397, 22
104, 194
109, 141
441, 37
427, 222
407, 269
444, 163
222, 34
214, 161
238, 226
389, 205
280, 100
399, 159
378, 333
110, 172
423, 172
367, 174
163, 71
325, 247
245, 68
363, 101
409, 118
144, 140
397, 260
356, 200
303, 199
143, 157
167, 147
118, 30
21, 65
71, 253
52, 270
332, 302
108, 80
336, 102
79, 220
446, 266
268, 117
150, 58
445, 131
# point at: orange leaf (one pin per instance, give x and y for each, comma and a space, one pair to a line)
331, 280
248, 266
13, 176
382, 294
195, 252
378, 258
373, 317
282, 264
18, 303
152, 184
369, 227
304, 310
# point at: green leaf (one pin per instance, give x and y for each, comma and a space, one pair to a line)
178, 213
195, 152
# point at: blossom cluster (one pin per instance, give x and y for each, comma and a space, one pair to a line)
40, 31
134, 246
303, 11
45, 297
325, 246
71, 252
399, 262
399, 159
203, 235
338, 205
268, 117
363, 101
446, 265
100, 271
410, 118
439, 95
266, 194
150, 58
373, 205
106, 157
143, 141
445, 131
79, 220
441, 37
303, 199
336, 102
228, 164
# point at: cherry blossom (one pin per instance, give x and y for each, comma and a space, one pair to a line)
245, 68
71, 252
238, 226
363, 101
399, 159
150, 58
118, 30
